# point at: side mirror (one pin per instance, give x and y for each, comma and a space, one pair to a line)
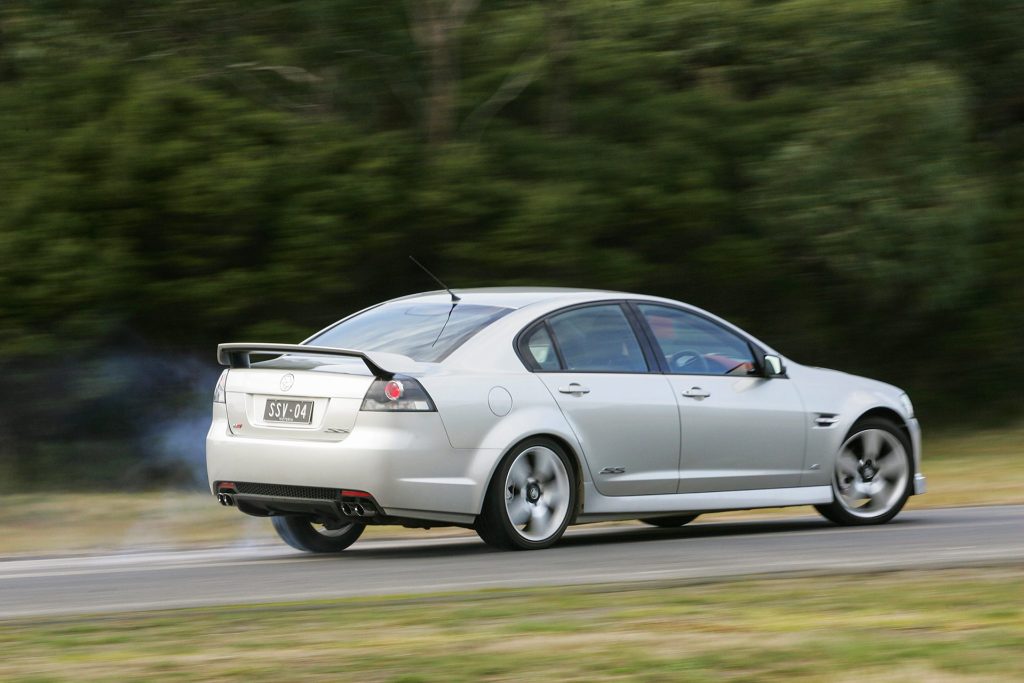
773, 366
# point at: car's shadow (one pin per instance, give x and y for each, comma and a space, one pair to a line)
582, 536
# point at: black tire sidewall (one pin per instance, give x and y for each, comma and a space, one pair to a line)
299, 533
669, 522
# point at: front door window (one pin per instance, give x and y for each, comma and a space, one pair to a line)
692, 345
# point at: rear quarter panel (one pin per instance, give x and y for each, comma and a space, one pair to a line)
471, 407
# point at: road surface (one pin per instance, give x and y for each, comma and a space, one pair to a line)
159, 580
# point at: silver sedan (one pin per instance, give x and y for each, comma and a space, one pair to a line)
517, 412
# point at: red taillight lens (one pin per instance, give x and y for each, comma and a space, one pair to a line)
402, 395
393, 390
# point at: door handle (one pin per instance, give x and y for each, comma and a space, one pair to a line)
575, 389
697, 393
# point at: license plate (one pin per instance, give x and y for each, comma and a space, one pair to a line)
292, 412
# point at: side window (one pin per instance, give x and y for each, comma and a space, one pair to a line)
538, 345
598, 339
693, 345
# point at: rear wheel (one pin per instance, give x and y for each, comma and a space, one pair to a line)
531, 498
302, 534
669, 522
871, 478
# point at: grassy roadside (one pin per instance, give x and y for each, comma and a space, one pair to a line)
935, 626
979, 468
976, 468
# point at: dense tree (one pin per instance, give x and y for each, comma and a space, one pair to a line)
844, 179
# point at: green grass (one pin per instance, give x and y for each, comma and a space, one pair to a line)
935, 626
978, 468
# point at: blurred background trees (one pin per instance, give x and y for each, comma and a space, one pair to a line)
845, 180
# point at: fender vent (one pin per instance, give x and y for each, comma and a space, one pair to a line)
825, 420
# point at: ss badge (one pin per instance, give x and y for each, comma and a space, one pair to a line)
613, 470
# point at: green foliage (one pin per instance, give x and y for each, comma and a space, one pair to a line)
843, 179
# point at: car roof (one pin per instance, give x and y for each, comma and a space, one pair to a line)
515, 297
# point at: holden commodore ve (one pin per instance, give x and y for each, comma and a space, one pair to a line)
517, 412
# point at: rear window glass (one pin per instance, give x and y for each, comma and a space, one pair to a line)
423, 332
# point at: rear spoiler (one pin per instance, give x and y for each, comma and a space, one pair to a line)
237, 355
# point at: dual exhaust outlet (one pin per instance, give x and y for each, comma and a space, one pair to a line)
226, 500
356, 510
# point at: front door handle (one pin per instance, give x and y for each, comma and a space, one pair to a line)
697, 393
575, 389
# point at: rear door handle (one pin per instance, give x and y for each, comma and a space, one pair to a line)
575, 389
697, 393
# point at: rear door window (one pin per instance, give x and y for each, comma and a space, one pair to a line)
541, 349
597, 339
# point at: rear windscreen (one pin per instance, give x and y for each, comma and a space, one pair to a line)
423, 332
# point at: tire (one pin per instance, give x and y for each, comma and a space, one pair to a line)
299, 533
531, 498
872, 475
669, 522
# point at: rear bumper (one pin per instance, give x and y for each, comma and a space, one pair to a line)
404, 460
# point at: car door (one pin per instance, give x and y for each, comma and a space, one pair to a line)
740, 431
623, 413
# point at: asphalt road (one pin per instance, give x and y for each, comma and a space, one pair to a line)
158, 580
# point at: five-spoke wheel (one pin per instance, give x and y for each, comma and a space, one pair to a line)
531, 498
871, 476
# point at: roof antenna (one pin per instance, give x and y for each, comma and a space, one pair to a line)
455, 299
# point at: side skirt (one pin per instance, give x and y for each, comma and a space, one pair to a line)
597, 507
440, 518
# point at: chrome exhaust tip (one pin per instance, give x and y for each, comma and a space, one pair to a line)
225, 499
346, 509
358, 510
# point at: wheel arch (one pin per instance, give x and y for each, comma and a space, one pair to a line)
574, 460
577, 466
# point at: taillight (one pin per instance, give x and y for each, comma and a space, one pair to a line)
399, 395
393, 390
219, 391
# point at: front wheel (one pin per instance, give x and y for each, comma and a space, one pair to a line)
669, 522
302, 534
871, 478
531, 498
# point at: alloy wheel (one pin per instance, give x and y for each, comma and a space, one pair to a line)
871, 473
537, 493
